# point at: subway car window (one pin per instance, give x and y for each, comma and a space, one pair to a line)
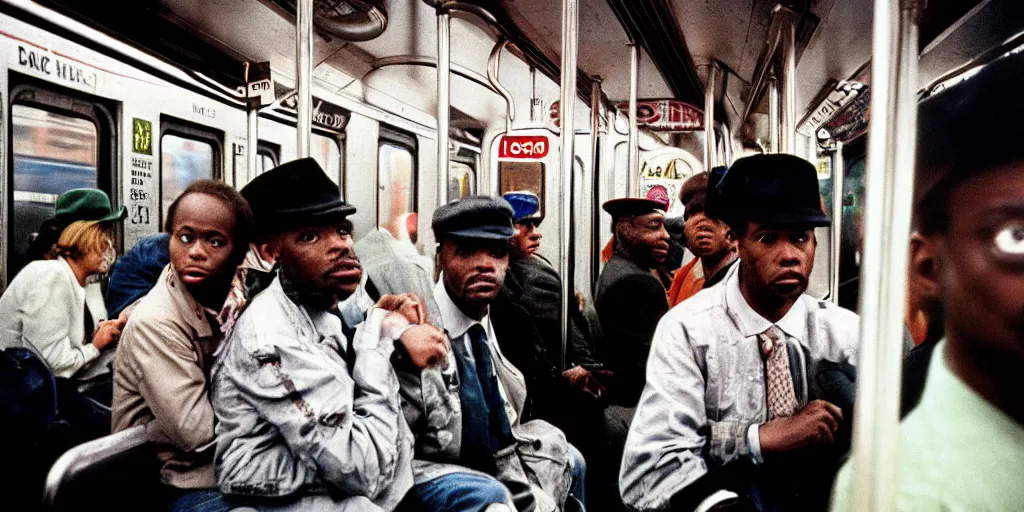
461, 180
396, 195
527, 176
183, 161
52, 153
327, 152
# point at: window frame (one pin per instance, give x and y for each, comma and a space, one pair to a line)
35, 93
192, 131
391, 136
339, 142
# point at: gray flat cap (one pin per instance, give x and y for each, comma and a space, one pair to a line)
474, 217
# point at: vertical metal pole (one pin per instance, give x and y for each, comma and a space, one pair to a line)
726, 145
595, 172
304, 74
633, 146
444, 97
567, 111
773, 114
787, 118
838, 170
251, 139
887, 213
710, 148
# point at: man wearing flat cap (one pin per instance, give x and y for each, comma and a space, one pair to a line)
629, 299
962, 447
472, 441
309, 418
731, 410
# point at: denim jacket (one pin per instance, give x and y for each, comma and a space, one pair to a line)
294, 420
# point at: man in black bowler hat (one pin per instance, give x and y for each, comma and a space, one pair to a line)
731, 398
308, 417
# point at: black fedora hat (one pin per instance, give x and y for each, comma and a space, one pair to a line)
777, 190
294, 194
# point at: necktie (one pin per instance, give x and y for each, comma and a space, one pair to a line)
779, 381
485, 427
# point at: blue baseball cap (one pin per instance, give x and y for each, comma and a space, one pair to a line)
524, 204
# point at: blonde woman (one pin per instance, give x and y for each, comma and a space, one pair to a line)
52, 308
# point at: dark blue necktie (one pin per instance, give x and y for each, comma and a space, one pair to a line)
485, 426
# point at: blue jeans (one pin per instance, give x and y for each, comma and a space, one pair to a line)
455, 492
202, 500
577, 475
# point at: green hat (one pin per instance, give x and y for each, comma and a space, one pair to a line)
87, 204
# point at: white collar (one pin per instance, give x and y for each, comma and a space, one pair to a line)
453, 319
794, 323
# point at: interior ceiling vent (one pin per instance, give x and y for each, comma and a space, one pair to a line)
348, 20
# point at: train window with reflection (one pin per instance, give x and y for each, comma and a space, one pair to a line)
396, 194
184, 160
461, 180
522, 176
52, 153
327, 152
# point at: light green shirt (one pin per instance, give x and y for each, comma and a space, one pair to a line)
957, 451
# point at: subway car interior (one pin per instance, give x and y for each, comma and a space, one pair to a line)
410, 104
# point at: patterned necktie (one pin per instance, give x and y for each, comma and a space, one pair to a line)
779, 381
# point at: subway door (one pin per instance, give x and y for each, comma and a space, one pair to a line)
362, 136
523, 159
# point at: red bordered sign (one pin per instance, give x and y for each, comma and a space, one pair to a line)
524, 147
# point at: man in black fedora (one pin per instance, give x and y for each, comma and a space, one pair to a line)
731, 399
309, 417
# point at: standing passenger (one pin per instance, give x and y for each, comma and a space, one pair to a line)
730, 410
161, 374
962, 448
308, 418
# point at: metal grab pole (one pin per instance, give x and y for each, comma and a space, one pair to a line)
595, 189
252, 127
887, 215
304, 74
773, 114
787, 117
710, 149
567, 119
838, 171
633, 146
444, 97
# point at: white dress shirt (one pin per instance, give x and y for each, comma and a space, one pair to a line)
705, 391
457, 324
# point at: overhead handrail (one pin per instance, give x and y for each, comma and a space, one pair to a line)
781, 16
493, 67
357, 26
431, 62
